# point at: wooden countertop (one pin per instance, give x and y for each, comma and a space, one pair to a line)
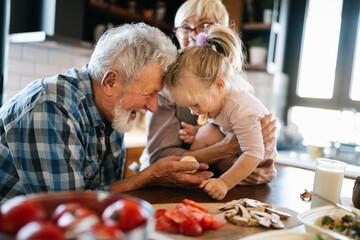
284, 191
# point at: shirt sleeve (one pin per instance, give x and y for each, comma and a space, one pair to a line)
162, 129
245, 122
47, 148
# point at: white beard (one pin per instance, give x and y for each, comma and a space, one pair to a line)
122, 122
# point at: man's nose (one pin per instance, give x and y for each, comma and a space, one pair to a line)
152, 103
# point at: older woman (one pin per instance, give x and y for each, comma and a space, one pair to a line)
163, 126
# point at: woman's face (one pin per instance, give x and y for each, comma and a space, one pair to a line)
192, 22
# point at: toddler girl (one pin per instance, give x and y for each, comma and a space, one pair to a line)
209, 80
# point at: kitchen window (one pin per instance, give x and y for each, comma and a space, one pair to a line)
324, 99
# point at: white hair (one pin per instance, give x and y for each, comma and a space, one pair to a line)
204, 8
128, 49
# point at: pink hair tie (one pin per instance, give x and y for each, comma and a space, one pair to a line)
201, 39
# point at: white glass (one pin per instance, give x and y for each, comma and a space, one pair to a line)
329, 175
319, 50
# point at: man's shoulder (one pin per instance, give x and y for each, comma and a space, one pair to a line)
65, 88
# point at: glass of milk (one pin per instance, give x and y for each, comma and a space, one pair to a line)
329, 175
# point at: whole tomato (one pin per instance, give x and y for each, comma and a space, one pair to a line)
17, 212
74, 218
125, 214
40, 231
77, 209
102, 232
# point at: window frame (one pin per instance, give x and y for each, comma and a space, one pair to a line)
345, 57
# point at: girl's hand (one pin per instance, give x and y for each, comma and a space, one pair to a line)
188, 132
215, 187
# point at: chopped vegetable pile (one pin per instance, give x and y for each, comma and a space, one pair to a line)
250, 212
345, 226
188, 218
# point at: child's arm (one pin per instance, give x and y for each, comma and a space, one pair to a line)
188, 132
243, 167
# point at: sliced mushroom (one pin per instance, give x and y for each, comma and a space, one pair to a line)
282, 214
230, 213
228, 205
255, 203
263, 218
261, 209
243, 212
251, 212
244, 221
278, 225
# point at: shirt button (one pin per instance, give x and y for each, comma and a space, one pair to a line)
89, 174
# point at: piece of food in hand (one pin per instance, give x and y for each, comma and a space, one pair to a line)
190, 159
202, 119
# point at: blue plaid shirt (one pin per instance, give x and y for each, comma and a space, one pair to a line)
53, 138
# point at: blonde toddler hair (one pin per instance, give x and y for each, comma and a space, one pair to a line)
221, 56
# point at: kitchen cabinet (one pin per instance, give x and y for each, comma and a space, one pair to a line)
257, 25
99, 15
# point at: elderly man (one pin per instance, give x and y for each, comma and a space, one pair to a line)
66, 132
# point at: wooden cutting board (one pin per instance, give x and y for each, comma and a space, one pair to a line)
229, 231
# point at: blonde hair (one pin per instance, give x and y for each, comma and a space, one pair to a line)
221, 57
206, 8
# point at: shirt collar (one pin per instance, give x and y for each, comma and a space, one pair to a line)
85, 87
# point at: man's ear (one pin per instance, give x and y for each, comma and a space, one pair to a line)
108, 82
220, 84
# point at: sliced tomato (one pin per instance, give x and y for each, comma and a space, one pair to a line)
194, 204
211, 221
164, 224
190, 211
191, 227
175, 215
160, 213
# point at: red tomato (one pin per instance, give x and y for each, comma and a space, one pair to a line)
164, 224
190, 211
17, 212
191, 227
68, 207
211, 221
78, 221
40, 231
194, 204
176, 215
102, 232
159, 213
125, 214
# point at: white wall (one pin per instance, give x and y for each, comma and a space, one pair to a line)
30, 61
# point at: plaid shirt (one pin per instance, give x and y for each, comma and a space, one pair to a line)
53, 138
